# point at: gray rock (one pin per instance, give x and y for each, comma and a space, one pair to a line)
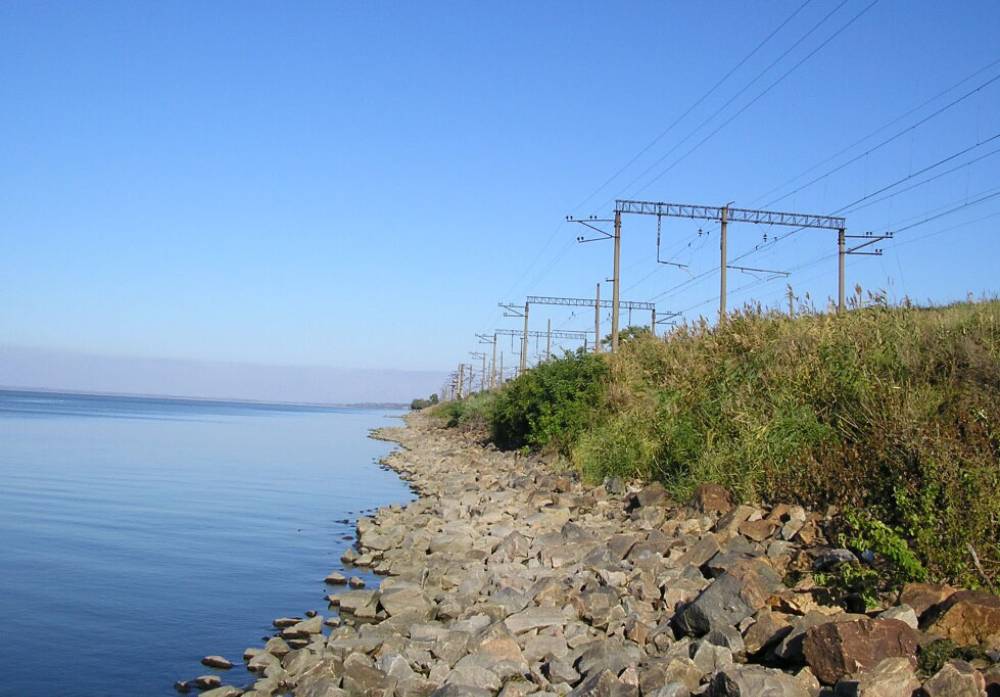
903, 613
755, 681
534, 618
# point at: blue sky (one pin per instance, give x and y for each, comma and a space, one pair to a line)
358, 184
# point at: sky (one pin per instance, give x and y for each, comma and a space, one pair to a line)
357, 185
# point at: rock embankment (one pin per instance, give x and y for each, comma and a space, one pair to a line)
505, 577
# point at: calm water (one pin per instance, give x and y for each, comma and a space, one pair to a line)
138, 535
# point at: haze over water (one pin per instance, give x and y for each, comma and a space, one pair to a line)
138, 535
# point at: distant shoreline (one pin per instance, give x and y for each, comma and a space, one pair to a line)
186, 399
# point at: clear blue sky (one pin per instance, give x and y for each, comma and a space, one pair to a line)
358, 184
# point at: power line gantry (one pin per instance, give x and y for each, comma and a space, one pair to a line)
723, 215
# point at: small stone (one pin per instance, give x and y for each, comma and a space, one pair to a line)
216, 662
356, 582
207, 682
335, 578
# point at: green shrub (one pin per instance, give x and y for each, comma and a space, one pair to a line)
551, 404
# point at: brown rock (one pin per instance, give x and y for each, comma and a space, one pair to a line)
768, 630
759, 530
837, 649
923, 596
713, 498
967, 618
955, 679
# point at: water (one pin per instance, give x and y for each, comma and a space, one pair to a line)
138, 535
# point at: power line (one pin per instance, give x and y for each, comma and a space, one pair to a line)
762, 94
888, 140
878, 130
694, 106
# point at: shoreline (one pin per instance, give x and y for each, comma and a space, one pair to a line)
506, 577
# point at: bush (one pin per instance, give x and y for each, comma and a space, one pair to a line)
551, 404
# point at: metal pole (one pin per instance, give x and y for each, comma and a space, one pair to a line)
722, 265
548, 342
524, 341
652, 322
461, 378
493, 363
597, 320
842, 257
616, 281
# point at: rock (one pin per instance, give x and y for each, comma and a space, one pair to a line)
967, 618
207, 682
223, 691
359, 602
712, 498
313, 625
356, 582
755, 681
667, 671
558, 670
670, 689
955, 679
825, 559
892, 677
335, 578
407, 600
768, 629
923, 596
534, 618
609, 655
903, 613
837, 649
363, 679
732, 597
283, 622
216, 662
651, 495
604, 684
709, 658
614, 485
759, 530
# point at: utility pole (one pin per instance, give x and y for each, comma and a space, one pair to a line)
524, 340
791, 300
652, 322
482, 380
616, 281
461, 378
597, 320
548, 342
487, 339
843, 251
722, 263
841, 263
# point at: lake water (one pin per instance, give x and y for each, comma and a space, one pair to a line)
138, 535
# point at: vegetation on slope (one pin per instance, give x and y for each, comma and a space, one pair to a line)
889, 411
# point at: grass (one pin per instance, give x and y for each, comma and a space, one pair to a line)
894, 411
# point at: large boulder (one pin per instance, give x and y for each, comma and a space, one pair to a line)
837, 649
967, 618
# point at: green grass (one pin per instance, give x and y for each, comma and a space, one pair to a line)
891, 410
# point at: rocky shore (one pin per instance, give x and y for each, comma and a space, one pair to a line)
507, 577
